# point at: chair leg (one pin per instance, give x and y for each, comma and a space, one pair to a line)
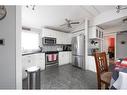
99, 85
106, 86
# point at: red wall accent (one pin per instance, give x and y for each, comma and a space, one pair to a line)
111, 42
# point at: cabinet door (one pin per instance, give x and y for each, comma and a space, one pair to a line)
95, 32
64, 38
27, 61
24, 65
64, 58
33, 60
59, 38
92, 32
61, 58
91, 63
70, 57
40, 60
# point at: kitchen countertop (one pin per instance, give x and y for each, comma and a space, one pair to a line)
41, 52
23, 54
90, 55
65, 51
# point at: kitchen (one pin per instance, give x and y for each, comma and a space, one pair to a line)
56, 44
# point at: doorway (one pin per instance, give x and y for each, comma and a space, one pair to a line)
109, 47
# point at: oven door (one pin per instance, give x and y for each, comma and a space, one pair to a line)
51, 58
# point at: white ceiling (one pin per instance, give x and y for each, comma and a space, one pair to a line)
55, 15
104, 8
96, 10
114, 23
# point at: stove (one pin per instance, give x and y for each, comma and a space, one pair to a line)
51, 58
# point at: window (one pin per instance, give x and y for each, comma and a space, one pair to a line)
30, 41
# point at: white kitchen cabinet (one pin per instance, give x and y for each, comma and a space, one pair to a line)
47, 33
40, 60
32, 60
95, 32
70, 57
64, 58
59, 38
67, 38
91, 65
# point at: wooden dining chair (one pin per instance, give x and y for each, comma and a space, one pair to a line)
103, 75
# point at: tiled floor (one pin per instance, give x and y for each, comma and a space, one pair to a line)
66, 77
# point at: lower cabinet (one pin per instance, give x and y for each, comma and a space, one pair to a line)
91, 65
64, 58
32, 60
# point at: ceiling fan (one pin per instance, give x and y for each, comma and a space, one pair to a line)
118, 8
69, 23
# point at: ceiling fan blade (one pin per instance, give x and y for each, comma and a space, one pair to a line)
74, 22
67, 20
69, 26
63, 24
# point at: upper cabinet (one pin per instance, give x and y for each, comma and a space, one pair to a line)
95, 33
48, 33
64, 38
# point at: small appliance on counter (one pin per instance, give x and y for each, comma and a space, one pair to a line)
66, 47
92, 51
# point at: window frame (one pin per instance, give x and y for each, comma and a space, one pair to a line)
25, 51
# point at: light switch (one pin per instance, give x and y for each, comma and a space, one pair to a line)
2, 42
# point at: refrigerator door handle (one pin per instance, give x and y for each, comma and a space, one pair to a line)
76, 47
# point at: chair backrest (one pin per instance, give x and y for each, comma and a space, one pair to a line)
101, 63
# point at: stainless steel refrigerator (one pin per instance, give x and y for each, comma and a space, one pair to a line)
78, 51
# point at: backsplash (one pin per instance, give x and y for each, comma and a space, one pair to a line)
52, 48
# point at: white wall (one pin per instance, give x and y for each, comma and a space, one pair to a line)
8, 51
18, 48
115, 29
121, 49
112, 32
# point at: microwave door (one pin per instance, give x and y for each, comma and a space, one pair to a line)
49, 41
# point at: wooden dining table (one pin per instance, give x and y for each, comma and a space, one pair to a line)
119, 77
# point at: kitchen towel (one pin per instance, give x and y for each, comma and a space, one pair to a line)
50, 58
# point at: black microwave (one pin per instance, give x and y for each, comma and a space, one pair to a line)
48, 41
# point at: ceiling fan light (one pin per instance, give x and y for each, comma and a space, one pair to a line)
125, 20
118, 8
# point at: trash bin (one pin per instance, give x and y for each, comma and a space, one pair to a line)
33, 77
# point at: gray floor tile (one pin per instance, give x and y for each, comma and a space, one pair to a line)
66, 77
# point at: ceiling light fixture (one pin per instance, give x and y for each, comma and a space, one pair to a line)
31, 6
118, 8
124, 20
